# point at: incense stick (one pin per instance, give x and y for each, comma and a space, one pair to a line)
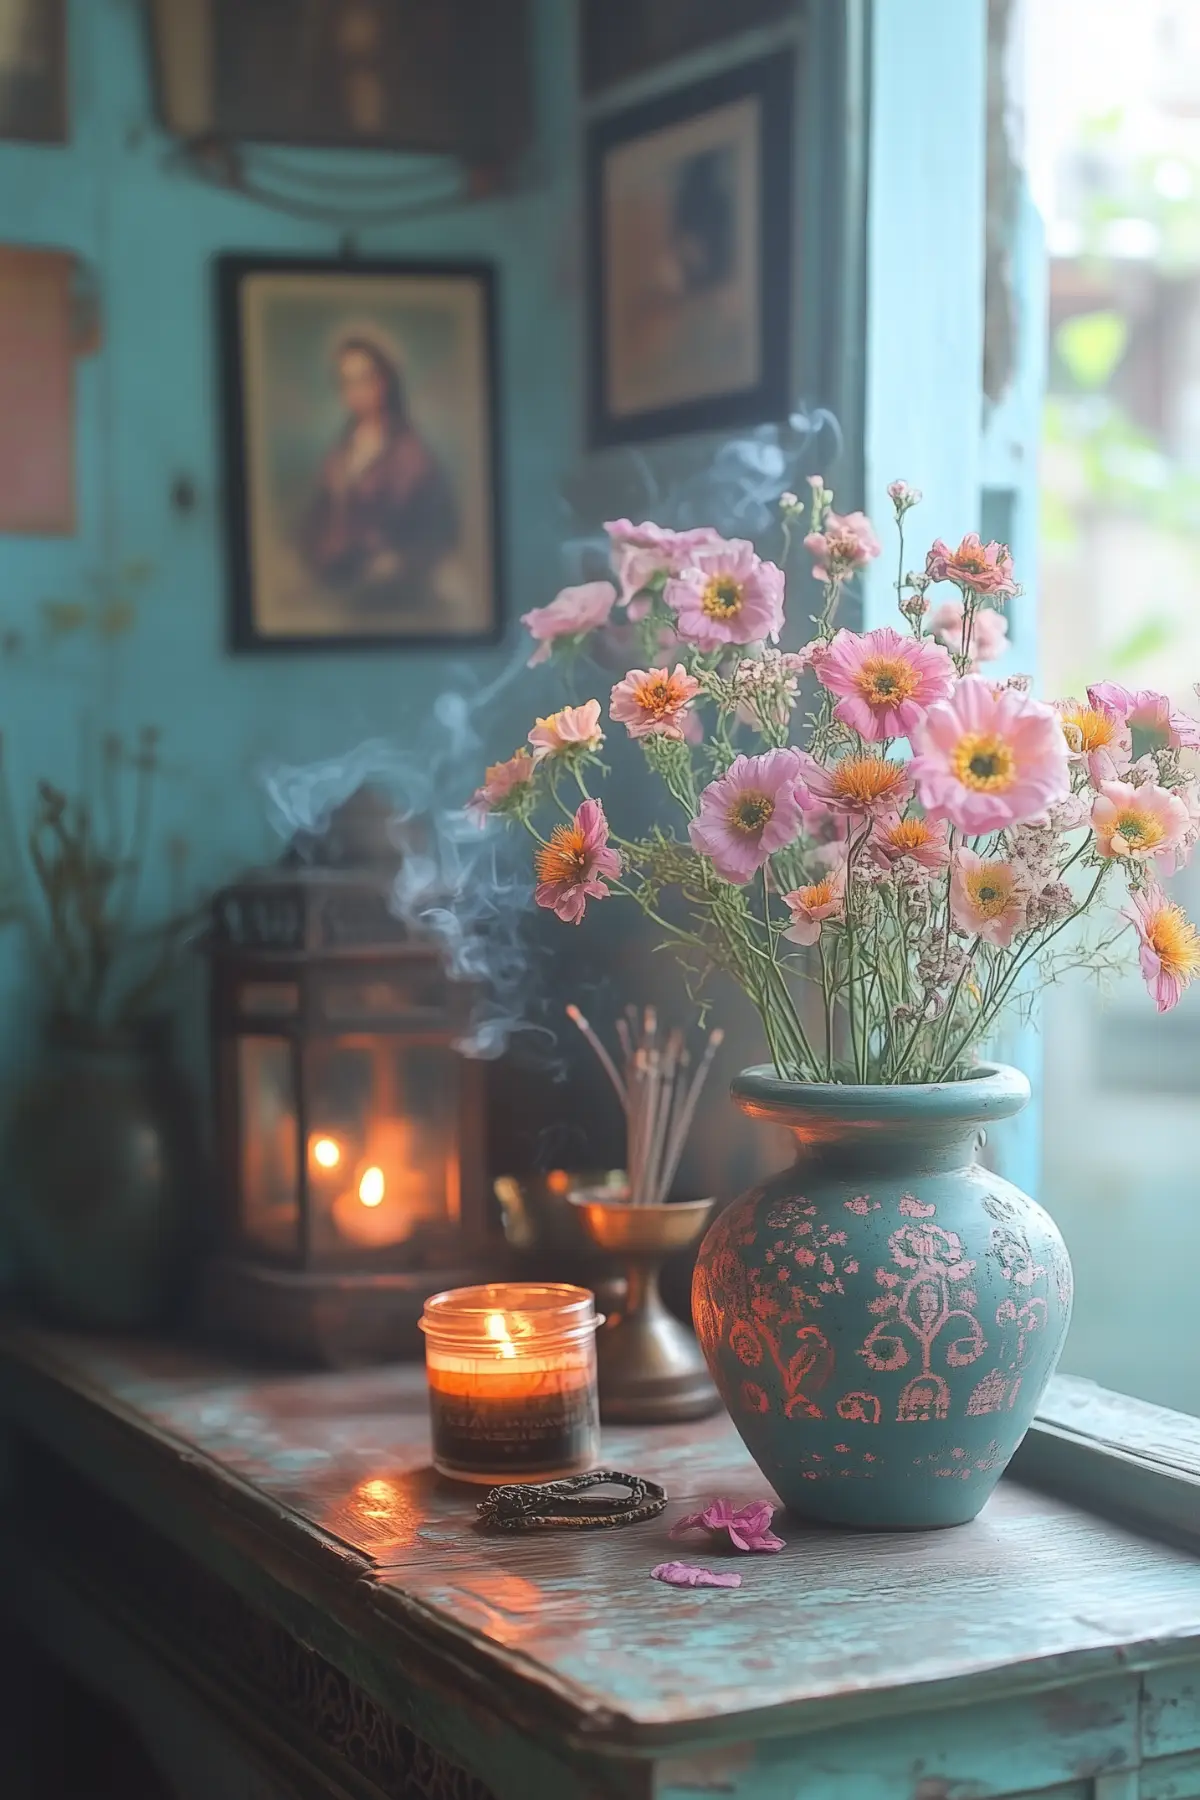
609, 1066
656, 1095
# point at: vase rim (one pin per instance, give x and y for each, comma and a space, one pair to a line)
991, 1091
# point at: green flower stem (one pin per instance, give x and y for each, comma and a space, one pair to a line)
1004, 989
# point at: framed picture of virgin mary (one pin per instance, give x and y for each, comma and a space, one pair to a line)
360, 416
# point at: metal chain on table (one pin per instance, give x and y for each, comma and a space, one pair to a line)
549, 1505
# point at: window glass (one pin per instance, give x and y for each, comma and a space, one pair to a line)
1112, 122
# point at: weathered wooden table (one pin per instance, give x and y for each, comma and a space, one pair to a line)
265, 1573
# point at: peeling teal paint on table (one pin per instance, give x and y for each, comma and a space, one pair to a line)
1039, 1650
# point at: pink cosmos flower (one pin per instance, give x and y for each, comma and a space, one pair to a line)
641, 552
1098, 736
989, 632
924, 842
1170, 945
726, 595
811, 906
677, 1574
987, 897
571, 614
1153, 722
747, 1527
650, 703
748, 813
985, 760
846, 542
978, 568
1141, 824
571, 867
500, 781
855, 786
572, 728
886, 681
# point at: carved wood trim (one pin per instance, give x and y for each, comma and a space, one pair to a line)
238, 1649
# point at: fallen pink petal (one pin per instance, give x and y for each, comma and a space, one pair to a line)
691, 1575
747, 1527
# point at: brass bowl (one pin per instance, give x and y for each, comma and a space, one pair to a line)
537, 1214
612, 1223
651, 1369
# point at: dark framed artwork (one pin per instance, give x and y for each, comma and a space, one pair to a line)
619, 38
443, 76
689, 258
361, 452
33, 70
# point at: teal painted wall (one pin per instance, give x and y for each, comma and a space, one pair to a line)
147, 414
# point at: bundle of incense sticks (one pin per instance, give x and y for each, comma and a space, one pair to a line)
658, 1098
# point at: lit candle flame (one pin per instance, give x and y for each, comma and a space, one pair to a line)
497, 1328
326, 1152
372, 1187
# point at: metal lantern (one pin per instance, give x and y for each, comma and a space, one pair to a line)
349, 1128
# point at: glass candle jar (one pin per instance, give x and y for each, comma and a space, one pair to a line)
512, 1381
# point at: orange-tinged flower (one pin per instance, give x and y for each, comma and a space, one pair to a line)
975, 567
571, 866
1170, 946
1139, 824
858, 785
653, 703
1098, 735
501, 780
987, 897
571, 729
921, 841
811, 906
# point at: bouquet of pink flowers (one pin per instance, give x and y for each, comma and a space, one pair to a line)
883, 888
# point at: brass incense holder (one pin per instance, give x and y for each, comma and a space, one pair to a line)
651, 1369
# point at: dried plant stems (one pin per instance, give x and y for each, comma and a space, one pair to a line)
658, 1100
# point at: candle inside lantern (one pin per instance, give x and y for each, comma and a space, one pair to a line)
374, 1199
512, 1381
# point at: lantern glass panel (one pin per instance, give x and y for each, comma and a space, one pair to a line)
269, 1144
383, 1167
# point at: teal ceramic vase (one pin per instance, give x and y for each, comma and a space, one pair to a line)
882, 1318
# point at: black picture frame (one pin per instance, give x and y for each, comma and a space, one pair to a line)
319, 557
34, 81
452, 78
751, 236
622, 38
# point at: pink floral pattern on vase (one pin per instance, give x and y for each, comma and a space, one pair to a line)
887, 1337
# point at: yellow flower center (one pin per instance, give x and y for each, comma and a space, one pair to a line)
821, 893
1137, 829
910, 834
866, 780
750, 812
564, 858
1096, 729
984, 763
722, 597
990, 888
969, 562
886, 680
1175, 941
658, 695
